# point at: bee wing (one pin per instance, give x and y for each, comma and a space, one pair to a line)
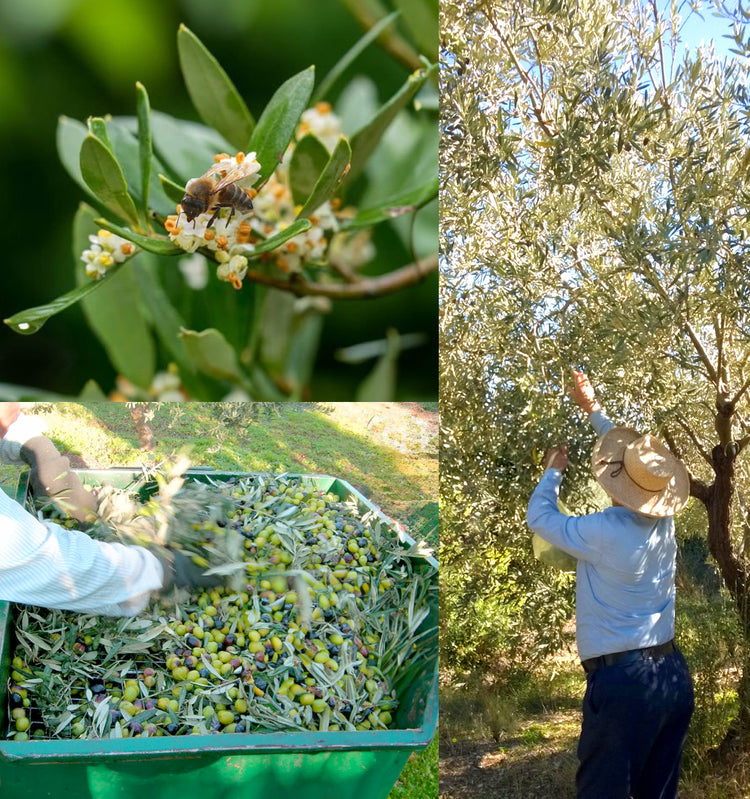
236, 173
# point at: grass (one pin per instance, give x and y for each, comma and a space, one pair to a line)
387, 451
419, 779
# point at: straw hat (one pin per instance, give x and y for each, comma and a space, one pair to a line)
640, 473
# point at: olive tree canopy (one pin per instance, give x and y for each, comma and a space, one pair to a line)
594, 214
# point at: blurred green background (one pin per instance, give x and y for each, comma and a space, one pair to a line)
79, 58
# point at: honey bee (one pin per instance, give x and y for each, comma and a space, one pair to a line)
217, 189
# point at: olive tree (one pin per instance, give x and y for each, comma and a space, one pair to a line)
595, 196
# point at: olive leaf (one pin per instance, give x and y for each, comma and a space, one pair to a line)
279, 119
366, 139
212, 92
103, 175
114, 313
331, 177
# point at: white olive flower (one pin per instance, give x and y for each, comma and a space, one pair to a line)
195, 271
321, 122
107, 249
233, 270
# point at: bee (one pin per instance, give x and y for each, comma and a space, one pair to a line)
217, 189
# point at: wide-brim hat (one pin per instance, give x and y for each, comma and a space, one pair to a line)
640, 472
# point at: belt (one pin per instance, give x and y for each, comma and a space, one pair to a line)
592, 664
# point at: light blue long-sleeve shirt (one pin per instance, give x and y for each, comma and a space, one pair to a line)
625, 591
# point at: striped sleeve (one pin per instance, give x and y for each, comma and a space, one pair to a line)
43, 564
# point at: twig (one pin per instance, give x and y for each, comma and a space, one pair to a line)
365, 288
692, 436
525, 77
388, 40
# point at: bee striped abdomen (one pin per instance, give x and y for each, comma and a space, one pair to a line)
235, 197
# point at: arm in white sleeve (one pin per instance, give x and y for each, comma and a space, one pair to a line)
43, 564
24, 428
577, 535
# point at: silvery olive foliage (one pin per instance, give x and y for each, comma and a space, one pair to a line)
594, 214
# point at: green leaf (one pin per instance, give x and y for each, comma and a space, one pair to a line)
173, 190
212, 354
366, 139
32, 319
350, 56
212, 92
98, 127
123, 132
15, 393
279, 119
163, 314
308, 161
161, 245
301, 355
380, 384
405, 203
114, 312
145, 149
186, 149
330, 179
105, 178
251, 250
70, 136
421, 18
92, 392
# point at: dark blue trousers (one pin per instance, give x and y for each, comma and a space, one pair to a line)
635, 719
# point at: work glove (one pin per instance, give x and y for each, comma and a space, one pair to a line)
181, 572
52, 477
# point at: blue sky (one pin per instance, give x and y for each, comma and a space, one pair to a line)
697, 30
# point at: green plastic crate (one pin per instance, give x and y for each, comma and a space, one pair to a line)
303, 765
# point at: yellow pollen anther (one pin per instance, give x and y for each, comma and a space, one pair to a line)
127, 248
336, 203
222, 242
235, 280
221, 157
314, 220
240, 157
170, 223
292, 246
209, 235
323, 107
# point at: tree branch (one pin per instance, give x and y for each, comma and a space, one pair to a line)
702, 354
696, 442
525, 77
364, 288
746, 385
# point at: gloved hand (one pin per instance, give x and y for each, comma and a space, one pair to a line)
181, 572
51, 476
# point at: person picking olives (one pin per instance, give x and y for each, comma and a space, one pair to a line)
639, 693
44, 564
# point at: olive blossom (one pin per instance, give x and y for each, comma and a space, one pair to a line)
107, 249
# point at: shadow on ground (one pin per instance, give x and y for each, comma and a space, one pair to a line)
484, 769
